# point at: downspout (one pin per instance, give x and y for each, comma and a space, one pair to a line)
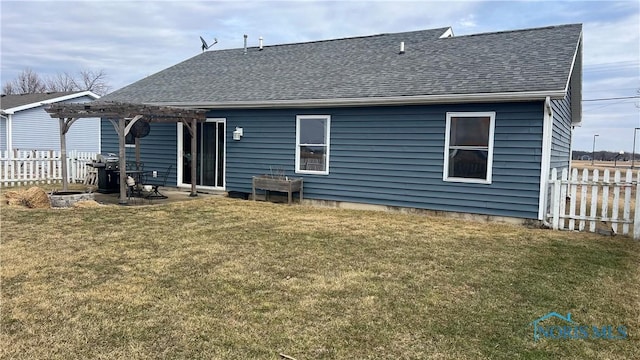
545, 162
6, 128
99, 135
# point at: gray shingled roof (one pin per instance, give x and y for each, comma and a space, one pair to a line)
11, 101
369, 67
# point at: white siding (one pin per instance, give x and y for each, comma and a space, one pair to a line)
34, 129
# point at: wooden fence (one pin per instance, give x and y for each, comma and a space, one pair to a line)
586, 201
20, 167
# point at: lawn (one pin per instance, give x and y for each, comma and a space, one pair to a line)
220, 278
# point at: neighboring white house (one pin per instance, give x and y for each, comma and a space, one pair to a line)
24, 125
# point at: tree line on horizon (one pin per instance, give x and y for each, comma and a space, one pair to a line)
603, 155
30, 82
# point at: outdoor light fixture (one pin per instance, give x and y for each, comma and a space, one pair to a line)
238, 133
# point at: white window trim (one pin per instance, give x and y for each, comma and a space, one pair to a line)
179, 133
492, 121
327, 138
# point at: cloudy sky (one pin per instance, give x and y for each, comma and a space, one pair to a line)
133, 39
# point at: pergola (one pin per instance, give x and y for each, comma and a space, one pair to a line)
123, 116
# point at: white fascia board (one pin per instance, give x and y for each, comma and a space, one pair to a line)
575, 81
380, 101
51, 101
573, 62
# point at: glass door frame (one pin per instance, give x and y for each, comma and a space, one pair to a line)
180, 136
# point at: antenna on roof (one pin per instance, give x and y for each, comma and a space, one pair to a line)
205, 46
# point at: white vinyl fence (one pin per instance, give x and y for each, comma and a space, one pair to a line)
20, 167
587, 201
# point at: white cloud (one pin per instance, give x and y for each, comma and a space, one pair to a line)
612, 41
468, 21
133, 39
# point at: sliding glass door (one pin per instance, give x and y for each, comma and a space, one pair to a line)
210, 157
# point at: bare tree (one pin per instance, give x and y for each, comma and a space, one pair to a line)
29, 82
61, 82
93, 81
8, 88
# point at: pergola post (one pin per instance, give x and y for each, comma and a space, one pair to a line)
194, 157
123, 161
63, 154
138, 153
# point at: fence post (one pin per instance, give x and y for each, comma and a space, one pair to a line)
71, 165
627, 201
636, 210
594, 200
573, 180
564, 187
555, 199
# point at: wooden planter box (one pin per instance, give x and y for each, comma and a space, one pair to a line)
270, 183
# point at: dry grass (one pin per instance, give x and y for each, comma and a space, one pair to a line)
222, 278
33, 197
623, 166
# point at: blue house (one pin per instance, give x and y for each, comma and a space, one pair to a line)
25, 125
422, 119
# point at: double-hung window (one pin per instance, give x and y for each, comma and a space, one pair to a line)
468, 151
312, 144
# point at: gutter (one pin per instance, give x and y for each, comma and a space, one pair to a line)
371, 101
13, 110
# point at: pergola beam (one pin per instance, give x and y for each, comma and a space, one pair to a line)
116, 110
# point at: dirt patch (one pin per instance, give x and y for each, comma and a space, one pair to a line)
34, 198
87, 204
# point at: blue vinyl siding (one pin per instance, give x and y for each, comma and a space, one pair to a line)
394, 156
158, 150
561, 134
380, 155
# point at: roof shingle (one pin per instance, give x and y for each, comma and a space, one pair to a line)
11, 101
369, 67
